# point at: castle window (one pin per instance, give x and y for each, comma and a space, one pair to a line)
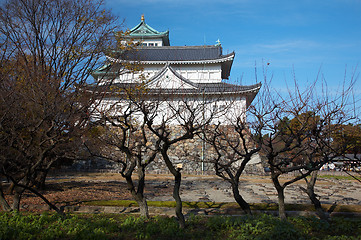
151, 44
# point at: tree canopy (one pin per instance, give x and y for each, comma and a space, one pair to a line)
48, 49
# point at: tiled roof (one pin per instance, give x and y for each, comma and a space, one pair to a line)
208, 89
143, 29
226, 87
174, 53
200, 88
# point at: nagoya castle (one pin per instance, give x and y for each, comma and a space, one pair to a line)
195, 72
183, 73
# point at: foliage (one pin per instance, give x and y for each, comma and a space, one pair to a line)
259, 227
106, 226
48, 48
225, 205
350, 136
44, 226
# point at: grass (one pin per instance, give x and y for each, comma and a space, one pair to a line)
336, 177
222, 205
170, 204
119, 226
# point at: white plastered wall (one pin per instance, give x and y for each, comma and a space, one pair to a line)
200, 73
197, 73
176, 112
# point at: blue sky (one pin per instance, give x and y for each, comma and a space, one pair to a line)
301, 36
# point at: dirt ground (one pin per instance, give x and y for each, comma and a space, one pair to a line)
76, 188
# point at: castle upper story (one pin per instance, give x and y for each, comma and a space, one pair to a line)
148, 36
198, 64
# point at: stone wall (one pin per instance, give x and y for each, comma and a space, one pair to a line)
195, 155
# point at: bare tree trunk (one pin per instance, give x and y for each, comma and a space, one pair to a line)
239, 199
42, 175
4, 204
11, 188
281, 196
25, 187
281, 203
311, 194
143, 207
18, 192
138, 195
178, 200
142, 201
177, 182
41, 179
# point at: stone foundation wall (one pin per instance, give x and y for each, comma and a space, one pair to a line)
195, 155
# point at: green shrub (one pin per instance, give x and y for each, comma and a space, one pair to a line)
31, 226
113, 226
346, 226
260, 227
309, 225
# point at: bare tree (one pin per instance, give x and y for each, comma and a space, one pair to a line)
119, 134
174, 119
326, 148
295, 132
234, 150
49, 47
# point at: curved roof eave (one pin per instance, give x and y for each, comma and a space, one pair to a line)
226, 67
142, 24
148, 30
156, 35
249, 92
221, 59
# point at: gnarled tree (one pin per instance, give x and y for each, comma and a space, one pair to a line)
296, 130
174, 119
49, 47
119, 134
234, 150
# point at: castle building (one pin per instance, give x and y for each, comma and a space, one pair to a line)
192, 72
179, 74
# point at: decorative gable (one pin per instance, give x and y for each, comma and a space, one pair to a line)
168, 78
142, 30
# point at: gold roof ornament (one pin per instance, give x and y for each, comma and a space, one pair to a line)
142, 18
